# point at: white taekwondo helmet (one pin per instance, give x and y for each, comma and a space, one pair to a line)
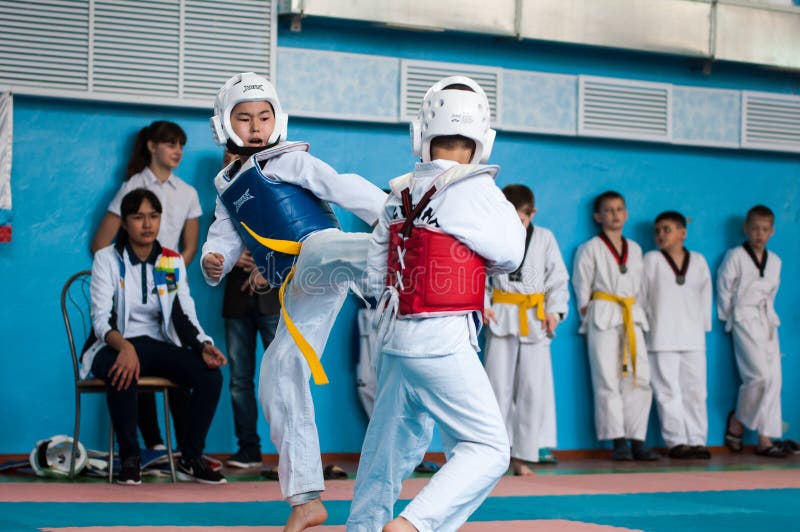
245, 87
453, 112
52, 457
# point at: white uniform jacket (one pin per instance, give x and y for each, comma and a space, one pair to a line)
542, 271
475, 212
742, 293
113, 284
679, 315
349, 191
596, 270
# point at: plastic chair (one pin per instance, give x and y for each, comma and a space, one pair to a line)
75, 306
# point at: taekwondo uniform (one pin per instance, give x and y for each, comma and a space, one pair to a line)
677, 301
330, 263
428, 370
609, 285
746, 303
518, 350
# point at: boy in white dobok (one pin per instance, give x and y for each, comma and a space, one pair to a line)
443, 227
274, 200
677, 299
523, 309
607, 278
747, 282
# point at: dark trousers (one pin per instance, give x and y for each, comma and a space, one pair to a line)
182, 366
148, 416
240, 336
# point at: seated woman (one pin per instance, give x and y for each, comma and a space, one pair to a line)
145, 324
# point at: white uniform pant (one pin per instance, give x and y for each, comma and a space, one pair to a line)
329, 263
758, 356
621, 408
521, 375
679, 385
413, 393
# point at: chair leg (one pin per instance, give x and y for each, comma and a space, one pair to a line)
75, 434
168, 424
110, 450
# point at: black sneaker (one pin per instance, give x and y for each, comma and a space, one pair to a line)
197, 470
244, 459
131, 471
621, 452
642, 453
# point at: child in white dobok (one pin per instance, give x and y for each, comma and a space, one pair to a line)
747, 282
280, 189
523, 309
607, 278
443, 227
677, 299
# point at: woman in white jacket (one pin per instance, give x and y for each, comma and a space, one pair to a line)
145, 324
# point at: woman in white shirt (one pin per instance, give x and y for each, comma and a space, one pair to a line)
144, 323
157, 151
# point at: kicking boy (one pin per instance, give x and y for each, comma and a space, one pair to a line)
607, 278
273, 199
677, 300
747, 282
526, 307
444, 226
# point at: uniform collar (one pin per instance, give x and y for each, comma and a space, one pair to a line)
151, 259
151, 178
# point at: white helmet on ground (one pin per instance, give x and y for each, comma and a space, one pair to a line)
453, 112
52, 457
245, 87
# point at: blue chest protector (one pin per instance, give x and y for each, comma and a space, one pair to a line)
274, 210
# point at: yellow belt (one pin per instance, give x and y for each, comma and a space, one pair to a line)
629, 346
292, 248
524, 302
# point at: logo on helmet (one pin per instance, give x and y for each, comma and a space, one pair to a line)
259, 87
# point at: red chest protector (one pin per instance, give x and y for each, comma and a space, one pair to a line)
433, 272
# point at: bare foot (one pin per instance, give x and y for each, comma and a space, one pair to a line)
312, 513
399, 524
520, 468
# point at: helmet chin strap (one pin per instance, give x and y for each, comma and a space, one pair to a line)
248, 151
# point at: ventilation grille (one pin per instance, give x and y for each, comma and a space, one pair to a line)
418, 76
771, 122
218, 45
136, 46
44, 43
161, 51
624, 109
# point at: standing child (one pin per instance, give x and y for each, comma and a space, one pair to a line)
677, 300
274, 198
443, 227
607, 278
747, 282
526, 307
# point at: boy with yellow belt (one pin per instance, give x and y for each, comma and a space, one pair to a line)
522, 311
607, 278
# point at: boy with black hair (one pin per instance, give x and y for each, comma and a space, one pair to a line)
677, 300
523, 309
607, 278
443, 227
747, 283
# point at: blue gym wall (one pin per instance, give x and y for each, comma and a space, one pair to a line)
69, 159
